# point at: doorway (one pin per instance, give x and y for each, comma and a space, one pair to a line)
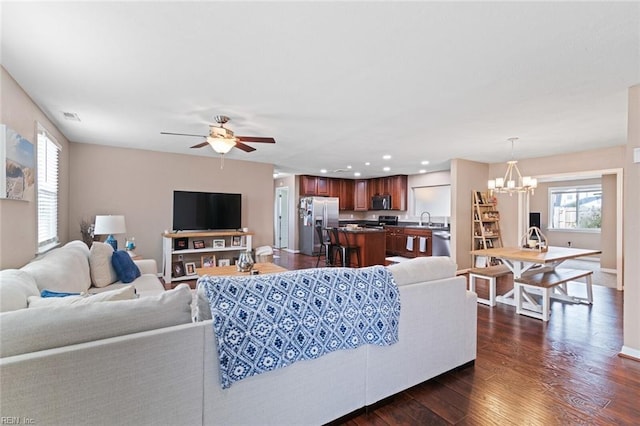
281, 216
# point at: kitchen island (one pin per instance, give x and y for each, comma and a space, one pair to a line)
371, 242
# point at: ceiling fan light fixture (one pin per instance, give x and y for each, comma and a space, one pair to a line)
221, 145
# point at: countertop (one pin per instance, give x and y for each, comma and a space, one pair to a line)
361, 230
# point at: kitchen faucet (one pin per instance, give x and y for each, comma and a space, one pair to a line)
421, 215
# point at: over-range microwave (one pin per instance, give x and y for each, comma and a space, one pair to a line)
381, 202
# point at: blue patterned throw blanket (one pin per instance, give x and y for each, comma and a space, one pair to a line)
264, 322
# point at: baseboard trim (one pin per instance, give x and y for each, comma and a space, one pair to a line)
609, 271
630, 353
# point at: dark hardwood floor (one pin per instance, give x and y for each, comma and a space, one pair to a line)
564, 372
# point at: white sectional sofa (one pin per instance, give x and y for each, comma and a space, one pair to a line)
169, 374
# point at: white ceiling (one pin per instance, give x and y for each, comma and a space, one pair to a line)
336, 84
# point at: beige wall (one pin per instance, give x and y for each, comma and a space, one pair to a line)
18, 231
594, 160
465, 178
631, 323
139, 185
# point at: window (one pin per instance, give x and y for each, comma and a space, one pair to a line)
575, 208
48, 153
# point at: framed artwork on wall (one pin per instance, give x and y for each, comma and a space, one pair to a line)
218, 243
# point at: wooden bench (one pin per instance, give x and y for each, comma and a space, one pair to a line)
490, 273
552, 282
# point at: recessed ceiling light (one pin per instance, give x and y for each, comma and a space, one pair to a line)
423, 171
349, 167
367, 163
424, 163
323, 170
386, 157
356, 174
275, 175
386, 169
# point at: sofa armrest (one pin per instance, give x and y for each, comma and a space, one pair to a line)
147, 266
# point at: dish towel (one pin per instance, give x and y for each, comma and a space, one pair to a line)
423, 244
409, 243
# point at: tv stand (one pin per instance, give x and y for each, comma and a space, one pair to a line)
224, 245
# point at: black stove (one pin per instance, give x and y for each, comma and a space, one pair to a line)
387, 220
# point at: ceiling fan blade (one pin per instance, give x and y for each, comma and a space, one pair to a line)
245, 148
255, 139
182, 134
200, 145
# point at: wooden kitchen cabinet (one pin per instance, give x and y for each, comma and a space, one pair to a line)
308, 185
361, 195
334, 188
356, 194
322, 186
346, 194
398, 237
314, 185
397, 187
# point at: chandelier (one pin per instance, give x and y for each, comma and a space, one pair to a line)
510, 184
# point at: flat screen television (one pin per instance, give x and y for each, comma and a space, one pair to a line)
206, 211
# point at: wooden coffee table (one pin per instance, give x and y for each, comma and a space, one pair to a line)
263, 268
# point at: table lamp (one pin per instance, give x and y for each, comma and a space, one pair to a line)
109, 225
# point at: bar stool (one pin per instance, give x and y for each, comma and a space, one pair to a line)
325, 246
347, 247
334, 239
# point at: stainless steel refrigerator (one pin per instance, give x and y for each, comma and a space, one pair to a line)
314, 211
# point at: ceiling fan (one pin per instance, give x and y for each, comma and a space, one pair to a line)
222, 139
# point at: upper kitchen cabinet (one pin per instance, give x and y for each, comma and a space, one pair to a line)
308, 185
314, 185
346, 194
361, 195
322, 186
334, 188
398, 191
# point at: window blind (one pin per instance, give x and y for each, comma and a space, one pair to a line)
48, 155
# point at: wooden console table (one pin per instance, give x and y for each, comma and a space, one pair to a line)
263, 268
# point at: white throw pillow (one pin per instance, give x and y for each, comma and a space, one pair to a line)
65, 269
125, 293
201, 309
102, 272
15, 288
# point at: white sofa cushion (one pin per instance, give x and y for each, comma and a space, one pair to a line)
102, 272
31, 330
65, 269
124, 293
423, 269
15, 288
145, 285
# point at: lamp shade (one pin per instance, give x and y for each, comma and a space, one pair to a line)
111, 224
221, 145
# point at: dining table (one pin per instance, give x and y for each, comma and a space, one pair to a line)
527, 261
